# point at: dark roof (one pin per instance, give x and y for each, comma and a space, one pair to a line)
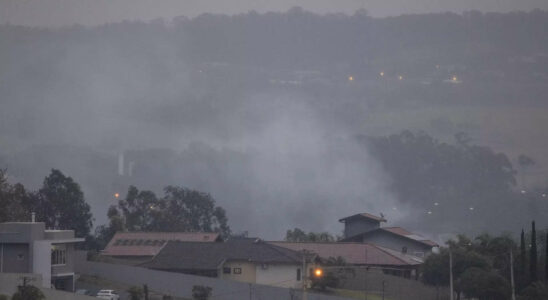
363, 216
208, 256
356, 253
396, 231
150, 243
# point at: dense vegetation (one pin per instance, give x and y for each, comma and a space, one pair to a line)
482, 267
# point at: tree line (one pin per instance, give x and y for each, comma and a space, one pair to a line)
482, 266
60, 204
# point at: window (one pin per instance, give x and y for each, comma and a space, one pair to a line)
226, 270
298, 274
58, 255
418, 253
20, 256
404, 250
237, 270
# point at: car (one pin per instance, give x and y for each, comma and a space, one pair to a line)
108, 294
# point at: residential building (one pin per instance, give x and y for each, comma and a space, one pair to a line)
27, 247
359, 254
245, 260
396, 238
139, 247
366, 228
360, 223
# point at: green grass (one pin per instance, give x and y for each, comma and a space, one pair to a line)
357, 294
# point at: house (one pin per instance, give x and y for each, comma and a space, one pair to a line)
242, 259
360, 254
360, 223
365, 228
27, 247
139, 247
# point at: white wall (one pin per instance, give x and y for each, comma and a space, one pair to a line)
41, 261
278, 275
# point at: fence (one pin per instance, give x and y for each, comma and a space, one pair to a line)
393, 287
180, 285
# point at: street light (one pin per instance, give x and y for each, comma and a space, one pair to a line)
318, 272
116, 195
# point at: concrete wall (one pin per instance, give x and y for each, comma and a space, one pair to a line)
392, 241
357, 226
21, 232
15, 258
42, 261
180, 285
278, 275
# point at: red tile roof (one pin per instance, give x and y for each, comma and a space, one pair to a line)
356, 253
364, 215
150, 243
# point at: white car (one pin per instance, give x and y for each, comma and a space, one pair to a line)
108, 294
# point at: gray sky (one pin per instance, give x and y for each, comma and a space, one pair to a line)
53, 13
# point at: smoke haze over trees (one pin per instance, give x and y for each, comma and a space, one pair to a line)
259, 111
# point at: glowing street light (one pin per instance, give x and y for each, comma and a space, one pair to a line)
350, 78
116, 195
318, 272
400, 77
382, 74
455, 79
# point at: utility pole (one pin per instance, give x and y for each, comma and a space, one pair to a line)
512, 275
303, 275
450, 274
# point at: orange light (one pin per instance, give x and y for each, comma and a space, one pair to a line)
116, 195
318, 272
400, 77
454, 78
382, 74
350, 78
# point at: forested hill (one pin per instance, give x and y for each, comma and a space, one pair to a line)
301, 38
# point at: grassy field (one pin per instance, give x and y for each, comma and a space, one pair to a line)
357, 294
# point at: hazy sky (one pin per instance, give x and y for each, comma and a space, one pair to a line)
93, 12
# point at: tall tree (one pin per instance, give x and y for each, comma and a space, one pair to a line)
13, 199
60, 204
546, 259
180, 209
523, 260
533, 255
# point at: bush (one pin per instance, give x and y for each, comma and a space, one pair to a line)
200, 292
4, 297
28, 292
535, 291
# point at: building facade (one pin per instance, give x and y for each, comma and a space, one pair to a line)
27, 247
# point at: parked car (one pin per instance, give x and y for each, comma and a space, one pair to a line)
108, 294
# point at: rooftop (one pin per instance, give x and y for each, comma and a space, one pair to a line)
356, 253
150, 243
397, 231
364, 216
208, 256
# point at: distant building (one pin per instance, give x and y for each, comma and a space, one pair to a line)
243, 259
365, 228
359, 254
27, 247
138, 247
360, 223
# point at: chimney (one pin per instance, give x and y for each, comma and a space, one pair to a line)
33, 217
